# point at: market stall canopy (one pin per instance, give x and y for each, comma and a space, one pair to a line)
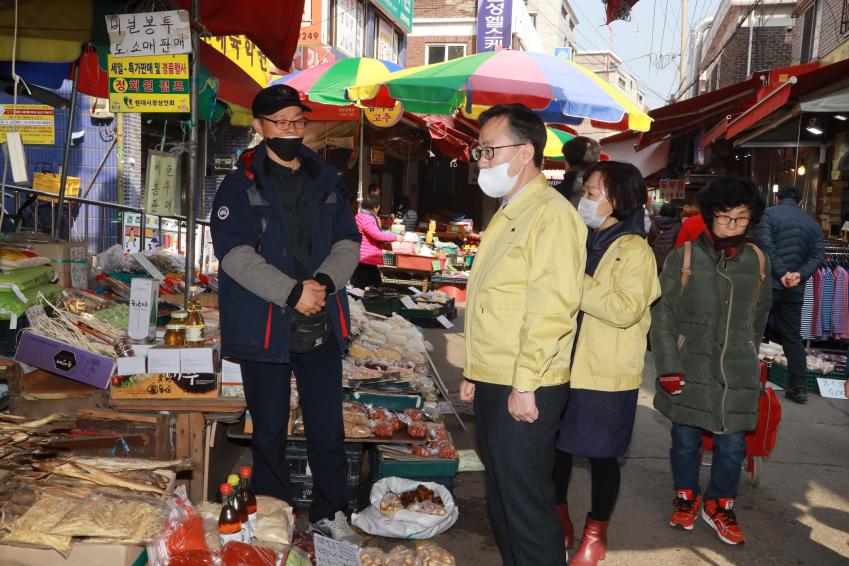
273, 25
558, 90
323, 86
52, 32
825, 83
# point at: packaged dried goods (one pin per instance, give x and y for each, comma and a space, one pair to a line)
371, 556
431, 554
400, 556
382, 429
417, 429
242, 554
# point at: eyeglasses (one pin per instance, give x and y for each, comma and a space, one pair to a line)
489, 152
288, 124
725, 220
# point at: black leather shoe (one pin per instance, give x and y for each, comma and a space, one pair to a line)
797, 394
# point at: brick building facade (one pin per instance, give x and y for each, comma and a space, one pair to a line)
770, 49
824, 34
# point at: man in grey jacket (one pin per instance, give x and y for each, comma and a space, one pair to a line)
793, 240
286, 238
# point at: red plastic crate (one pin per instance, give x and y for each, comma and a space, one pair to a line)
418, 262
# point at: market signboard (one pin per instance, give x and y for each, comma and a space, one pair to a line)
162, 189
400, 10
244, 53
149, 33
384, 117
671, 189
312, 24
158, 83
350, 21
35, 122
495, 25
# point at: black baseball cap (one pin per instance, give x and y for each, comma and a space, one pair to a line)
276, 97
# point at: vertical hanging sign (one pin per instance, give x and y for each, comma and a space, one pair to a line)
495, 25
162, 189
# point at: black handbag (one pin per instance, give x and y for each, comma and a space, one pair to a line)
309, 333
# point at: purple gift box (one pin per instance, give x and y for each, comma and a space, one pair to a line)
65, 360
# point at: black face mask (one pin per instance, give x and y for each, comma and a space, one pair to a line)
285, 148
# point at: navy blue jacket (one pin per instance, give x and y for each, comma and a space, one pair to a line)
246, 226
792, 239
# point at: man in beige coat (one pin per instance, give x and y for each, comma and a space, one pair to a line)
523, 299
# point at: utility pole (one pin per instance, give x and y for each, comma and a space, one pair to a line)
683, 59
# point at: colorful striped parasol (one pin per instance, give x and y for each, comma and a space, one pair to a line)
554, 143
326, 83
558, 90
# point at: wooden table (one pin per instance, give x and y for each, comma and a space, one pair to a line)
195, 421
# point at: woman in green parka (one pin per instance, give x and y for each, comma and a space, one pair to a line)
705, 334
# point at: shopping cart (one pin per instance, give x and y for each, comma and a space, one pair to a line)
761, 441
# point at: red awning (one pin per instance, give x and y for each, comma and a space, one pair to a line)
700, 111
796, 87
715, 133
449, 141
761, 109
273, 25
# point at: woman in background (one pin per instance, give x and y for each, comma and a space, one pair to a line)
371, 248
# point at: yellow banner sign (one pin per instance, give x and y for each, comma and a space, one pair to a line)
245, 54
839, 53
159, 83
384, 117
35, 122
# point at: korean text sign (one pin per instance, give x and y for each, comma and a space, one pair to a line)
149, 84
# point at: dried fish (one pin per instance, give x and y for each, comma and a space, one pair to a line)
94, 475
31, 527
110, 517
121, 464
32, 424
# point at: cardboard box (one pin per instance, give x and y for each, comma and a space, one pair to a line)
81, 555
166, 386
70, 259
65, 360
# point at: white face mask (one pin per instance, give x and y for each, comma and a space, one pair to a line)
588, 210
496, 182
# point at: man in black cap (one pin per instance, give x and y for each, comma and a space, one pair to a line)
793, 241
287, 243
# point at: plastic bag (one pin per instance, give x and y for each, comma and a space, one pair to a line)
12, 258
181, 533
371, 556
405, 524
400, 556
274, 520
241, 554
431, 554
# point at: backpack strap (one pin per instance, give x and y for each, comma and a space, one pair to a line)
685, 266
761, 269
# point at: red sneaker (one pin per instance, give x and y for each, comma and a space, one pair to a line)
686, 509
719, 514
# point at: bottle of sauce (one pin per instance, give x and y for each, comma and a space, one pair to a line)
194, 324
250, 498
241, 507
229, 522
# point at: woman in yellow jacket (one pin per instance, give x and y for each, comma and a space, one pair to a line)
607, 367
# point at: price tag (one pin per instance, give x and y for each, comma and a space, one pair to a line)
354, 292
329, 552
408, 302
444, 322
196, 360
132, 366
415, 291
436, 265
831, 388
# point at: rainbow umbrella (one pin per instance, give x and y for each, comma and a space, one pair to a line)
554, 143
326, 83
558, 90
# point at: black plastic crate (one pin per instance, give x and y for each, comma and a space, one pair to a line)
302, 491
296, 458
9, 337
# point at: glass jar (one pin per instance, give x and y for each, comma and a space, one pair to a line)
175, 335
179, 317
